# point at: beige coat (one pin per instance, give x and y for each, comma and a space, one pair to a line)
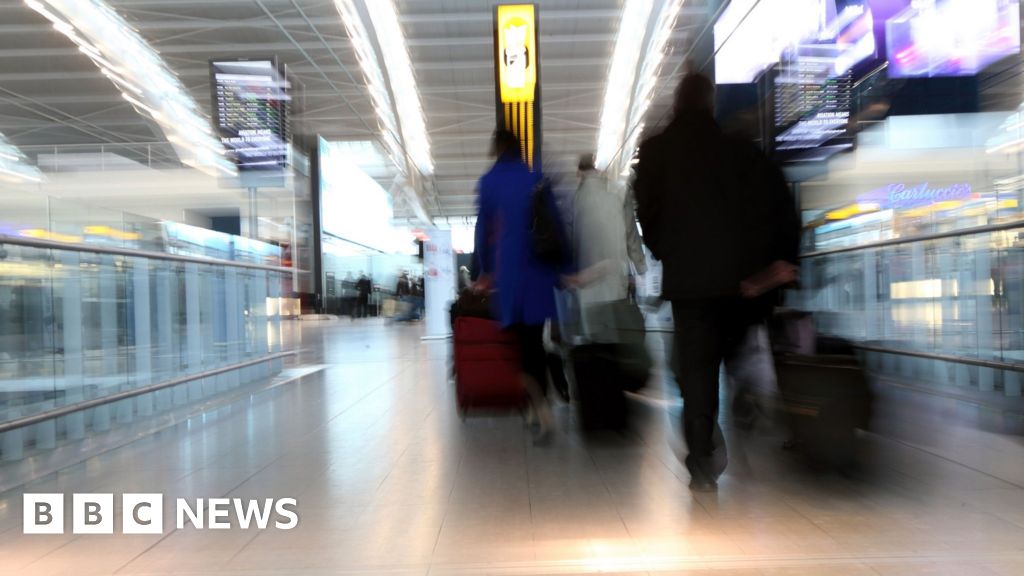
606, 241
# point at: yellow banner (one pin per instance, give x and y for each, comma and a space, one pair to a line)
517, 52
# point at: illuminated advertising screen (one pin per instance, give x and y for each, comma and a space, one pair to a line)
752, 36
354, 207
250, 109
516, 64
517, 52
948, 37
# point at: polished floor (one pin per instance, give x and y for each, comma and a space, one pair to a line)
389, 480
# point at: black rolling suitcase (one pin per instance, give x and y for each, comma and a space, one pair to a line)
825, 400
599, 387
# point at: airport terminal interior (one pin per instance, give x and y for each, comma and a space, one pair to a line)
442, 287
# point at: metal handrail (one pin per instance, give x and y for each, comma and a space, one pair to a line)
100, 249
995, 364
1019, 223
125, 394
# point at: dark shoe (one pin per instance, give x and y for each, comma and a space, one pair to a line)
703, 485
702, 474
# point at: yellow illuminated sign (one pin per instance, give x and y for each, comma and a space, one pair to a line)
851, 211
517, 52
111, 233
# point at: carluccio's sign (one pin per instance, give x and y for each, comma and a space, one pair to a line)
517, 74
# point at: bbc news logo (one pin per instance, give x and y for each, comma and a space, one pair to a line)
144, 513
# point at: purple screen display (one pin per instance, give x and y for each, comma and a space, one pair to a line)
947, 37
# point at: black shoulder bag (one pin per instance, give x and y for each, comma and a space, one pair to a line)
546, 235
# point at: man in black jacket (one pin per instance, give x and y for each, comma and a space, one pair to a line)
720, 217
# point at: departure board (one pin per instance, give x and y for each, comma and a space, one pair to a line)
250, 104
812, 109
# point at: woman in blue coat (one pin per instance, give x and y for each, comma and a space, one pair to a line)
525, 286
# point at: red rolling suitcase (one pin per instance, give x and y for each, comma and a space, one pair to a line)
487, 371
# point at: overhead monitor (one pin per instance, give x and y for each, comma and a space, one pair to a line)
752, 36
948, 37
250, 109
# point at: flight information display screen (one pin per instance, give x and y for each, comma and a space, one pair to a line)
250, 109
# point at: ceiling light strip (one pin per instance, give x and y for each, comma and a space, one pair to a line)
622, 72
403, 82
143, 77
373, 76
400, 118
650, 72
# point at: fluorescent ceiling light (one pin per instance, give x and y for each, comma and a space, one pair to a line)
403, 82
124, 57
637, 65
393, 91
628, 44
398, 105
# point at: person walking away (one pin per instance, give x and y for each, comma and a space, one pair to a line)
363, 288
525, 285
606, 242
720, 217
403, 292
419, 297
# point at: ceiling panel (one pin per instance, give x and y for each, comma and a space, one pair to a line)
52, 95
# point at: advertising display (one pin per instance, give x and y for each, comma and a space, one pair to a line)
517, 51
517, 64
439, 282
250, 110
901, 196
752, 36
949, 37
354, 206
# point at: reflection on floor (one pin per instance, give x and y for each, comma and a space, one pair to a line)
390, 481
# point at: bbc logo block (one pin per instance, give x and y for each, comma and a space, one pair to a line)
144, 513
43, 514
93, 514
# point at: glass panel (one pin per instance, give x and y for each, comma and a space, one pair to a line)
961, 296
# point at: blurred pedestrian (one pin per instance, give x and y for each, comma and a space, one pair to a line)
605, 241
720, 217
525, 285
363, 288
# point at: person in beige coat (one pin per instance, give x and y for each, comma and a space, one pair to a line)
606, 243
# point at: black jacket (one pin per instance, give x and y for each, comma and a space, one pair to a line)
713, 209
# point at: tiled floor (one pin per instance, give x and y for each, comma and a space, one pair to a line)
390, 481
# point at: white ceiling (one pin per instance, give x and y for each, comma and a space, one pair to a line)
51, 95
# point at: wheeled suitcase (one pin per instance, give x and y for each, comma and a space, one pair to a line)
825, 399
599, 386
487, 368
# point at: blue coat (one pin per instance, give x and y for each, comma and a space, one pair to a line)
525, 285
